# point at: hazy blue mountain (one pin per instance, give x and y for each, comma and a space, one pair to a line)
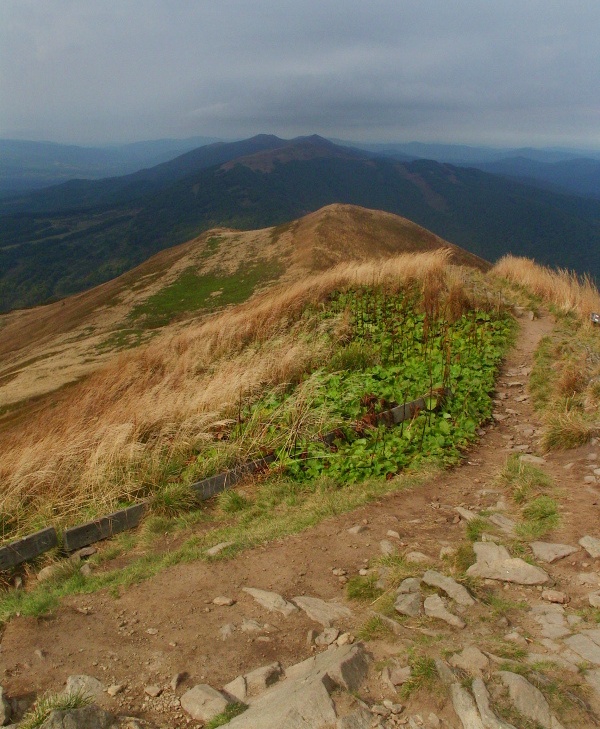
267, 181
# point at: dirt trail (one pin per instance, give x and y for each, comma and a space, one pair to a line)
168, 624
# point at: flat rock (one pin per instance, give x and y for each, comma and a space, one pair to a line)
528, 700
236, 690
466, 514
203, 702
471, 660
504, 523
399, 675
594, 599
465, 708
86, 717
218, 548
482, 699
260, 679
410, 584
548, 552
320, 611
457, 592
327, 637
410, 604
551, 619
271, 601
85, 685
586, 644
418, 558
535, 460
152, 691
302, 701
493, 563
591, 546
435, 608
359, 718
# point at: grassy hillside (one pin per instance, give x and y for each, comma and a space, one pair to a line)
47, 347
50, 255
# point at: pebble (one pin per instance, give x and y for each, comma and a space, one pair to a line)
555, 596
224, 601
153, 691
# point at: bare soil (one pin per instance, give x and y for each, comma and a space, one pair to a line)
108, 636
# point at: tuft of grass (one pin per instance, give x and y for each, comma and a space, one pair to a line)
464, 557
226, 716
523, 478
232, 502
541, 516
502, 607
475, 528
423, 675
172, 500
397, 568
373, 629
48, 703
568, 429
363, 588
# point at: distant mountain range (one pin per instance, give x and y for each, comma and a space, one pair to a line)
67, 238
26, 165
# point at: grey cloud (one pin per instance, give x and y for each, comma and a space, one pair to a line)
469, 70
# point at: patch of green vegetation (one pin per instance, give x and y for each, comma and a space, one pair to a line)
48, 703
502, 607
192, 292
172, 500
363, 588
211, 246
506, 649
475, 528
523, 478
373, 629
464, 557
423, 675
226, 716
541, 516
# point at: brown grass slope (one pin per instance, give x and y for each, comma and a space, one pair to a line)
45, 348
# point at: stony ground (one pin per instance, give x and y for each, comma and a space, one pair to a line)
198, 623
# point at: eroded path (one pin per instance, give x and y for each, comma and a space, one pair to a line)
170, 624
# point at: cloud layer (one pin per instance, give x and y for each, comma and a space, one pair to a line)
469, 71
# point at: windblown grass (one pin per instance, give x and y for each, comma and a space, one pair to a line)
128, 429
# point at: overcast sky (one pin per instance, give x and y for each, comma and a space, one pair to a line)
496, 72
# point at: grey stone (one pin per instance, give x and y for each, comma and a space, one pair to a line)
594, 599
548, 552
115, 689
465, 708
358, 529
410, 604
86, 685
471, 660
504, 523
271, 601
359, 718
591, 546
47, 573
387, 547
327, 637
435, 608
410, 584
320, 611
555, 596
5, 711
302, 701
528, 700
585, 647
418, 558
507, 569
482, 699
152, 691
203, 702
218, 548
466, 514
457, 592
260, 679
399, 675
236, 689
87, 717
446, 675
223, 601
536, 460
551, 619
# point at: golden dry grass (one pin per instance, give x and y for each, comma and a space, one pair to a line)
564, 289
117, 433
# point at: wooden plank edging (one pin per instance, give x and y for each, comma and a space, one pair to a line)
21, 550
104, 527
